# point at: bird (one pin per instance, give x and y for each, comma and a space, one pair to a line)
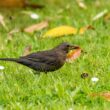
45, 61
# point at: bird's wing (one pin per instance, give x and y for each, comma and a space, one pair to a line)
43, 57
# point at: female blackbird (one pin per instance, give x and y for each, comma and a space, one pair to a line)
45, 61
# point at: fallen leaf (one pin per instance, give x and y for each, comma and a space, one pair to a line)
67, 30
60, 31
18, 3
105, 95
99, 15
81, 4
2, 22
74, 54
36, 27
83, 29
27, 50
12, 3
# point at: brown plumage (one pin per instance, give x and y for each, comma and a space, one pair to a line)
45, 61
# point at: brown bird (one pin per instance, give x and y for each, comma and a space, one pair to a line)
45, 61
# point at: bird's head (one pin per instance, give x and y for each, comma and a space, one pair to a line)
66, 47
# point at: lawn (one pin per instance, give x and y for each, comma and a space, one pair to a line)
23, 89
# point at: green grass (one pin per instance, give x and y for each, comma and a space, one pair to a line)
21, 89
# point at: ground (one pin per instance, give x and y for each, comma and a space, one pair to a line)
23, 89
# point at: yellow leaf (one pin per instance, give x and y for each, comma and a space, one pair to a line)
60, 31
84, 29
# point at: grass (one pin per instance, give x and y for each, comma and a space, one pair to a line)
64, 89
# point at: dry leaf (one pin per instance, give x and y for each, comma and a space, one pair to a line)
12, 3
99, 15
105, 95
66, 30
2, 22
81, 4
18, 3
60, 31
83, 29
27, 50
36, 27
74, 54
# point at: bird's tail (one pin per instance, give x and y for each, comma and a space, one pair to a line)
9, 59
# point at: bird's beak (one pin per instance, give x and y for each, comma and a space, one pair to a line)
74, 47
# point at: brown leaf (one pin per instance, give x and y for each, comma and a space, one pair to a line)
27, 50
36, 27
12, 3
74, 54
105, 95
84, 29
18, 3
